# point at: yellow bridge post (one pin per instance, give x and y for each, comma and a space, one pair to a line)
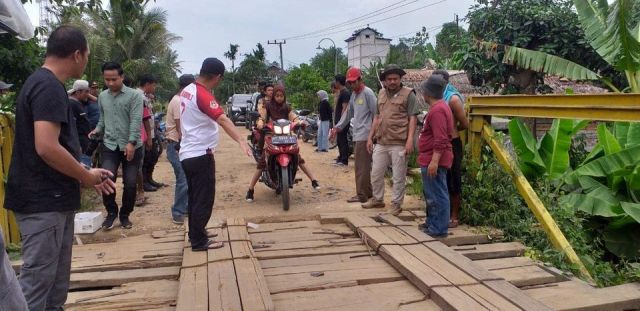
10, 231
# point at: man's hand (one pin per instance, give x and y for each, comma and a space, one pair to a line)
370, 145
92, 134
408, 147
130, 151
101, 180
432, 170
245, 148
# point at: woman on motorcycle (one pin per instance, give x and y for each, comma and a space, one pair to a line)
276, 109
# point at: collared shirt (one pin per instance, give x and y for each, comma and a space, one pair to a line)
120, 118
173, 114
362, 108
199, 112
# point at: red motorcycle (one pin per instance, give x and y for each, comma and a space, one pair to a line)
281, 156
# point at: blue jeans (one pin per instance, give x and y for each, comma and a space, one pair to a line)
179, 207
436, 196
323, 135
86, 160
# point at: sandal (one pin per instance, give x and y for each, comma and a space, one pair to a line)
453, 223
211, 244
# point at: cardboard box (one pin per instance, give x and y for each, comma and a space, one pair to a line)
87, 222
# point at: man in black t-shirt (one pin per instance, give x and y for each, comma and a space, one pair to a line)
43, 186
342, 104
79, 94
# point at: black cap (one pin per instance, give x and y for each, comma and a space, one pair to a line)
185, 80
212, 66
392, 69
434, 86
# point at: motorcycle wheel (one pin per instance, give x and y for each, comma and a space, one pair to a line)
284, 181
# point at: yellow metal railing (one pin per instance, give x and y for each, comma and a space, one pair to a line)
7, 219
607, 107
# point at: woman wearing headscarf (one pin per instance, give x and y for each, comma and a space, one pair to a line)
325, 111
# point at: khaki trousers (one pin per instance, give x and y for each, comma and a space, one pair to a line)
363, 171
383, 157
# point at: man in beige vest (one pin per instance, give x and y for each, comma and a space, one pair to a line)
391, 137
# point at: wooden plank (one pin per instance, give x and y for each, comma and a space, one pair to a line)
315, 277
394, 221
398, 236
528, 276
489, 251
462, 262
407, 216
576, 295
452, 298
117, 278
193, 259
383, 296
488, 298
418, 273
358, 221
223, 287
295, 235
314, 260
425, 305
374, 237
132, 296
164, 261
306, 244
276, 226
239, 238
516, 296
304, 252
448, 271
193, 292
462, 236
254, 292
417, 234
220, 254
328, 263
505, 263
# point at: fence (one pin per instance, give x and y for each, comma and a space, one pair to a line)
7, 220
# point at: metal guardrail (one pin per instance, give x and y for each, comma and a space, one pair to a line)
10, 231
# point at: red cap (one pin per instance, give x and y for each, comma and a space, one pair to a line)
353, 74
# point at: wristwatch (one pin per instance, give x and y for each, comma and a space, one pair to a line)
133, 142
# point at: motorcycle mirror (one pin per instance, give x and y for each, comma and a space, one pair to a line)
249, 101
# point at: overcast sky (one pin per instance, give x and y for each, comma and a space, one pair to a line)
208, 27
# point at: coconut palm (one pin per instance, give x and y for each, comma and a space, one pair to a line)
231, 54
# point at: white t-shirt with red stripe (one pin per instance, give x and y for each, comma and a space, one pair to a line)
199, 112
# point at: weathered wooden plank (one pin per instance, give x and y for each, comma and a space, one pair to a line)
193, 292
224, 253
297, 235
528, 276
314, 260
304, 252
463, 236
505, 263
193, 259
223, 287
406, 216
488, 298
327, 263
576, 295
398, 236
374, 237
239, 238
254, 292
447, 270
117, 278
395, 221
489, 251
417, 234
305, 244
382, 296
417, 272
425, 305
131, 296
165, 261
452, 298
462, 262
516, 296
358, 221
283, 226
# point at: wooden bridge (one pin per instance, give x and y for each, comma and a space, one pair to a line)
343, 261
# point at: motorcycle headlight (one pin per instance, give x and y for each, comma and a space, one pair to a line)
277, 130
286, 129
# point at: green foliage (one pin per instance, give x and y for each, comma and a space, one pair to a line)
449, 39
302, 84
8, 102
324, 61
18, 59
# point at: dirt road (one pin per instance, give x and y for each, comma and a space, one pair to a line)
233, 174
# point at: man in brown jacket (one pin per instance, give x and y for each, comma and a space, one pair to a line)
391, 137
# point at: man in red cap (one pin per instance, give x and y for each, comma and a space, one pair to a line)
362, 108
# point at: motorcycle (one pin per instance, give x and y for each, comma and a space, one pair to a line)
282, 154
310, 129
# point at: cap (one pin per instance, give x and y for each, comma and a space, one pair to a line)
434, 86
353, 74
185, 80
94, 84
79, 85
4, 86
392, 69
212, 66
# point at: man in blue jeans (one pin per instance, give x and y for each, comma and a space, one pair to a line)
173, 136
436, 156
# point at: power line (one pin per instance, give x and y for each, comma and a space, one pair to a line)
374, 22
357, 19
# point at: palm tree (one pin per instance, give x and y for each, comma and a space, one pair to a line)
231, 55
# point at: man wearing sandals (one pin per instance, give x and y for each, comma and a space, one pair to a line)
201, 117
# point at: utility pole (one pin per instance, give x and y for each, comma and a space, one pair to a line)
279, 44
458, 27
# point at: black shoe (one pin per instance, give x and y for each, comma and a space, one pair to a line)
315, 185
107, 224
249, 196
156, 184
125, 223
178, 220
149, 188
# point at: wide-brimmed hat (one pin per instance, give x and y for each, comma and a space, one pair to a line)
392, 69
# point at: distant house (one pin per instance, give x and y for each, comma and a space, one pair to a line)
366, 46
275, 73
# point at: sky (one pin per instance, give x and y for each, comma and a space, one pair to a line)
207, 27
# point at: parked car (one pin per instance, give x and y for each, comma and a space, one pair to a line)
237, 107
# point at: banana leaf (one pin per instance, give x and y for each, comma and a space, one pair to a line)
579, 125
597, 199
554, 147
595, 153
525, 145
620, 131
547, 63
624, 241
619, 164
631, 209
610, 145
633, 135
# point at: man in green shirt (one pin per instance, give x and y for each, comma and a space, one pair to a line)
120, 122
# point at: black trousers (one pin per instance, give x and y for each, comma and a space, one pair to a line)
150, 160
111, 160
454, 175
201, 185
343, 146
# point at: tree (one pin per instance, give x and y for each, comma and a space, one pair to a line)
302, 84
448, 40
259, 53
231, 55
324, 62
18, 59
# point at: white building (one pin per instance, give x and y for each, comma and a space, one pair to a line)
367, 46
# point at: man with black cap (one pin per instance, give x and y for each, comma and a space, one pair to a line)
436, 156
393, 130
362, 108
173, 136
200, 120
